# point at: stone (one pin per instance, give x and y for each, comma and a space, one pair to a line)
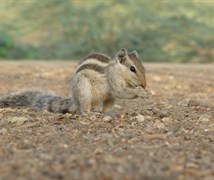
140, 118
3, 131
193, 103
107, 118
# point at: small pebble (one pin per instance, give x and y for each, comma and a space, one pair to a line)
26, 144
166, 119
148, 117
92, 117
159, 125
204, 118
184, 102
98, 151
193, 103
140, 118
3, 131
45, 156
118, 107
107, 119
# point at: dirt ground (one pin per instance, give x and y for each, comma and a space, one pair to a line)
169, 135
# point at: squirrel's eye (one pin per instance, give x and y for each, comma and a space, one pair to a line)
132, 68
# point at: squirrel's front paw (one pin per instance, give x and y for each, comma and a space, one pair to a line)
142, 93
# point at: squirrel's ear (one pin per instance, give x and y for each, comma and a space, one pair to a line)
135, 53
121, 55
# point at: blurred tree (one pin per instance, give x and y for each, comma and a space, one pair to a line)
6, 44
160, 30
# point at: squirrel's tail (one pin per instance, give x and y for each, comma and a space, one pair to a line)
37, 100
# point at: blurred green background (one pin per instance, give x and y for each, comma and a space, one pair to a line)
161, 31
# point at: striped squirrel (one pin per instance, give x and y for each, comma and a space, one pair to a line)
96, 82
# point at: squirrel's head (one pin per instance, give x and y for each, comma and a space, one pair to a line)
134, 71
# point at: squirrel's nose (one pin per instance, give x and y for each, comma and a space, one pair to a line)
143, 85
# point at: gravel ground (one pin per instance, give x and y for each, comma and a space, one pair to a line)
169, 135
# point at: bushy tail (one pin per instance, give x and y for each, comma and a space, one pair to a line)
37, 100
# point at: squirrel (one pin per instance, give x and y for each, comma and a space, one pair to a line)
96, 83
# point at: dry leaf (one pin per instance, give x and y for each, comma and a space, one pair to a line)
17, 120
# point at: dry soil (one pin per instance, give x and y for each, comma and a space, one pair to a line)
169, 135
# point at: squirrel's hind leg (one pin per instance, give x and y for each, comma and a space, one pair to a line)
82, 94
108, 104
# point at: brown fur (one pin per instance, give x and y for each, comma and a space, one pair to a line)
100, 57
93, 67
138, 63
131, 59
